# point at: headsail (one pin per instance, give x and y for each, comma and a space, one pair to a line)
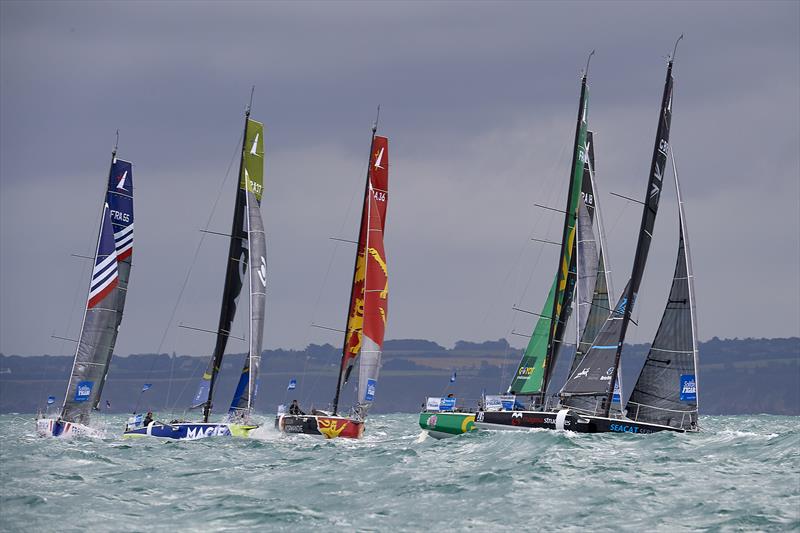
666, 391
539, 358
252, 180
98, 332
368, 299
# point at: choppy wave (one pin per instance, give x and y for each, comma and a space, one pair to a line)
740, 473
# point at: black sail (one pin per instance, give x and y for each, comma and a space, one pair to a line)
234, 278
666, 391
654, 186
597, 372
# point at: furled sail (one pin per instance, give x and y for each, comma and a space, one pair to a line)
100, 319
236, 268
252, 180
366, 317
119, 197
540, 355
666, 391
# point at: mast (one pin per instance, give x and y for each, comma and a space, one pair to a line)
562, 272
655, 183
346, 367
233, 283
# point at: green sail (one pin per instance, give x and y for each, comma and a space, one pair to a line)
253, 159
532, 368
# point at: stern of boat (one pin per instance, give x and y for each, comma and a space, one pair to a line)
327, 427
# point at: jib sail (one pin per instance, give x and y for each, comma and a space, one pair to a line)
666, 391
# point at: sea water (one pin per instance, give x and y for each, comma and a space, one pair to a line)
739, 473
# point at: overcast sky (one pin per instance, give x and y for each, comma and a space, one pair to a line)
478, 101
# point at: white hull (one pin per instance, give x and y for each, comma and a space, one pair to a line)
52, 427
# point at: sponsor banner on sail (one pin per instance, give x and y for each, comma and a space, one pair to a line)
120, 201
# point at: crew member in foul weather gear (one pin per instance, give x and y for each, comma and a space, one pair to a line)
294, 409
148, 419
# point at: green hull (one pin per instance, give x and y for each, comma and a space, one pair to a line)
445, 425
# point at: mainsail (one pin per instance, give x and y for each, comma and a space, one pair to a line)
366, 319
597, 373
106, 300
253, 183
666, 391
120, 201
538, 360
248, 194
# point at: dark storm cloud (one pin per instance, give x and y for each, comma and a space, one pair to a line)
478, 101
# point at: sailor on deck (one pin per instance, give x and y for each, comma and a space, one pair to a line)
294, 409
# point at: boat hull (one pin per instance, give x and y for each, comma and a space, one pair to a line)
446, 425
52, 427
327, 427
189, 431
564, 420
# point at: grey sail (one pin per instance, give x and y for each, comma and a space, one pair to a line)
592, 376
666, 391
98, 331
588, 267
252, 187
120, 202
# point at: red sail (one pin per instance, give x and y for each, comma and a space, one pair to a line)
367, 312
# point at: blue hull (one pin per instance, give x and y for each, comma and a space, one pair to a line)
189, 430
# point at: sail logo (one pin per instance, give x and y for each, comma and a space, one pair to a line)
369, 395
688, 392
582, 374
262, 272
120, 216
657, 179
525, 372
83, 391
379, 160
255, 146
121, 183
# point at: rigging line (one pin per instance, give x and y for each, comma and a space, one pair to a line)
335, 250
550, 190
196, 253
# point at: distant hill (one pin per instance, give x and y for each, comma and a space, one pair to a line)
738, 376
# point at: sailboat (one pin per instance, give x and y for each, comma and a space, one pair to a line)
103, 311
441, 418
366, 315
665, 395
246, 258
